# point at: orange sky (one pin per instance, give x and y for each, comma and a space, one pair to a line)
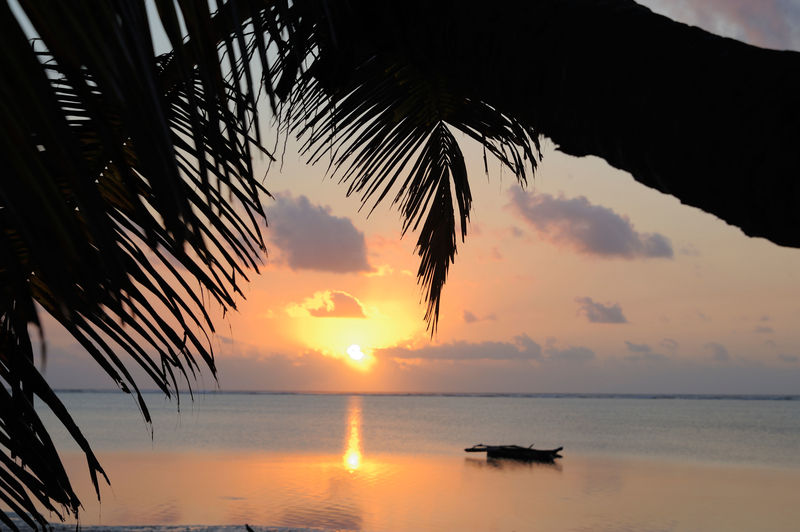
586, 282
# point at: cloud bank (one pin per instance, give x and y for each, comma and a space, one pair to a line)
262, 369
523, 348
588, 229
311, 238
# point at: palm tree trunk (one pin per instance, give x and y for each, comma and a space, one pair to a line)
710, 120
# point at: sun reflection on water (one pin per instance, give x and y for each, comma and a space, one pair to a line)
352, 456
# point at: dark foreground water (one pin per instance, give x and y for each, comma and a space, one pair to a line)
396, 463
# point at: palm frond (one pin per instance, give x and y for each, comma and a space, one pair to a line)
119, 179
128, 176
387, 126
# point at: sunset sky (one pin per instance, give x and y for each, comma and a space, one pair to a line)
586, 282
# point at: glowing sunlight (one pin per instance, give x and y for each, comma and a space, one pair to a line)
355, 352
352, 456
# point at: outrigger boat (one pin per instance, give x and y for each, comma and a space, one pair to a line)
515, 452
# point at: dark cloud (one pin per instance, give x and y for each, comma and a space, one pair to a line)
469, 317
311, 238
586, 228
569, 354
637, 348
523, 348
718, 352
763, 329
669, 343
789, 358
770, 343
343, 306
599, 313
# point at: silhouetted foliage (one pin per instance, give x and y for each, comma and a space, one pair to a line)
128, 178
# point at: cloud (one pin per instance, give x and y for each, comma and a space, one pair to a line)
703, 317
763, 329
342, 305
643, 353
669, 343
789, 358
523, 348
569, 354
586, 228
718, 352
469, 317
328, 304
637, 348
599, 313
311, 238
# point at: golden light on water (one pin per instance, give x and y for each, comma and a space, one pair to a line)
352, 456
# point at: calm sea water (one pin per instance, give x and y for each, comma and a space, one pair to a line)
719, 430
373, 462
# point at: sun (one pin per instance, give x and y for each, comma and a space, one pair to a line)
355, 352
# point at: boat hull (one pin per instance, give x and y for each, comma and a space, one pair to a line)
515, 452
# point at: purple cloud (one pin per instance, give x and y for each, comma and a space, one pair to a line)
643, 352
569, 354
343, 306
523, 348
586, 228
314, 239
637, 348
599, 313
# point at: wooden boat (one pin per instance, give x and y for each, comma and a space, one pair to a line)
515, 452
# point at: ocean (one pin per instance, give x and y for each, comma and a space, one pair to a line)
397, 462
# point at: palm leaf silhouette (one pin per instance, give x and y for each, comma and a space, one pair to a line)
128, 201
128, 205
